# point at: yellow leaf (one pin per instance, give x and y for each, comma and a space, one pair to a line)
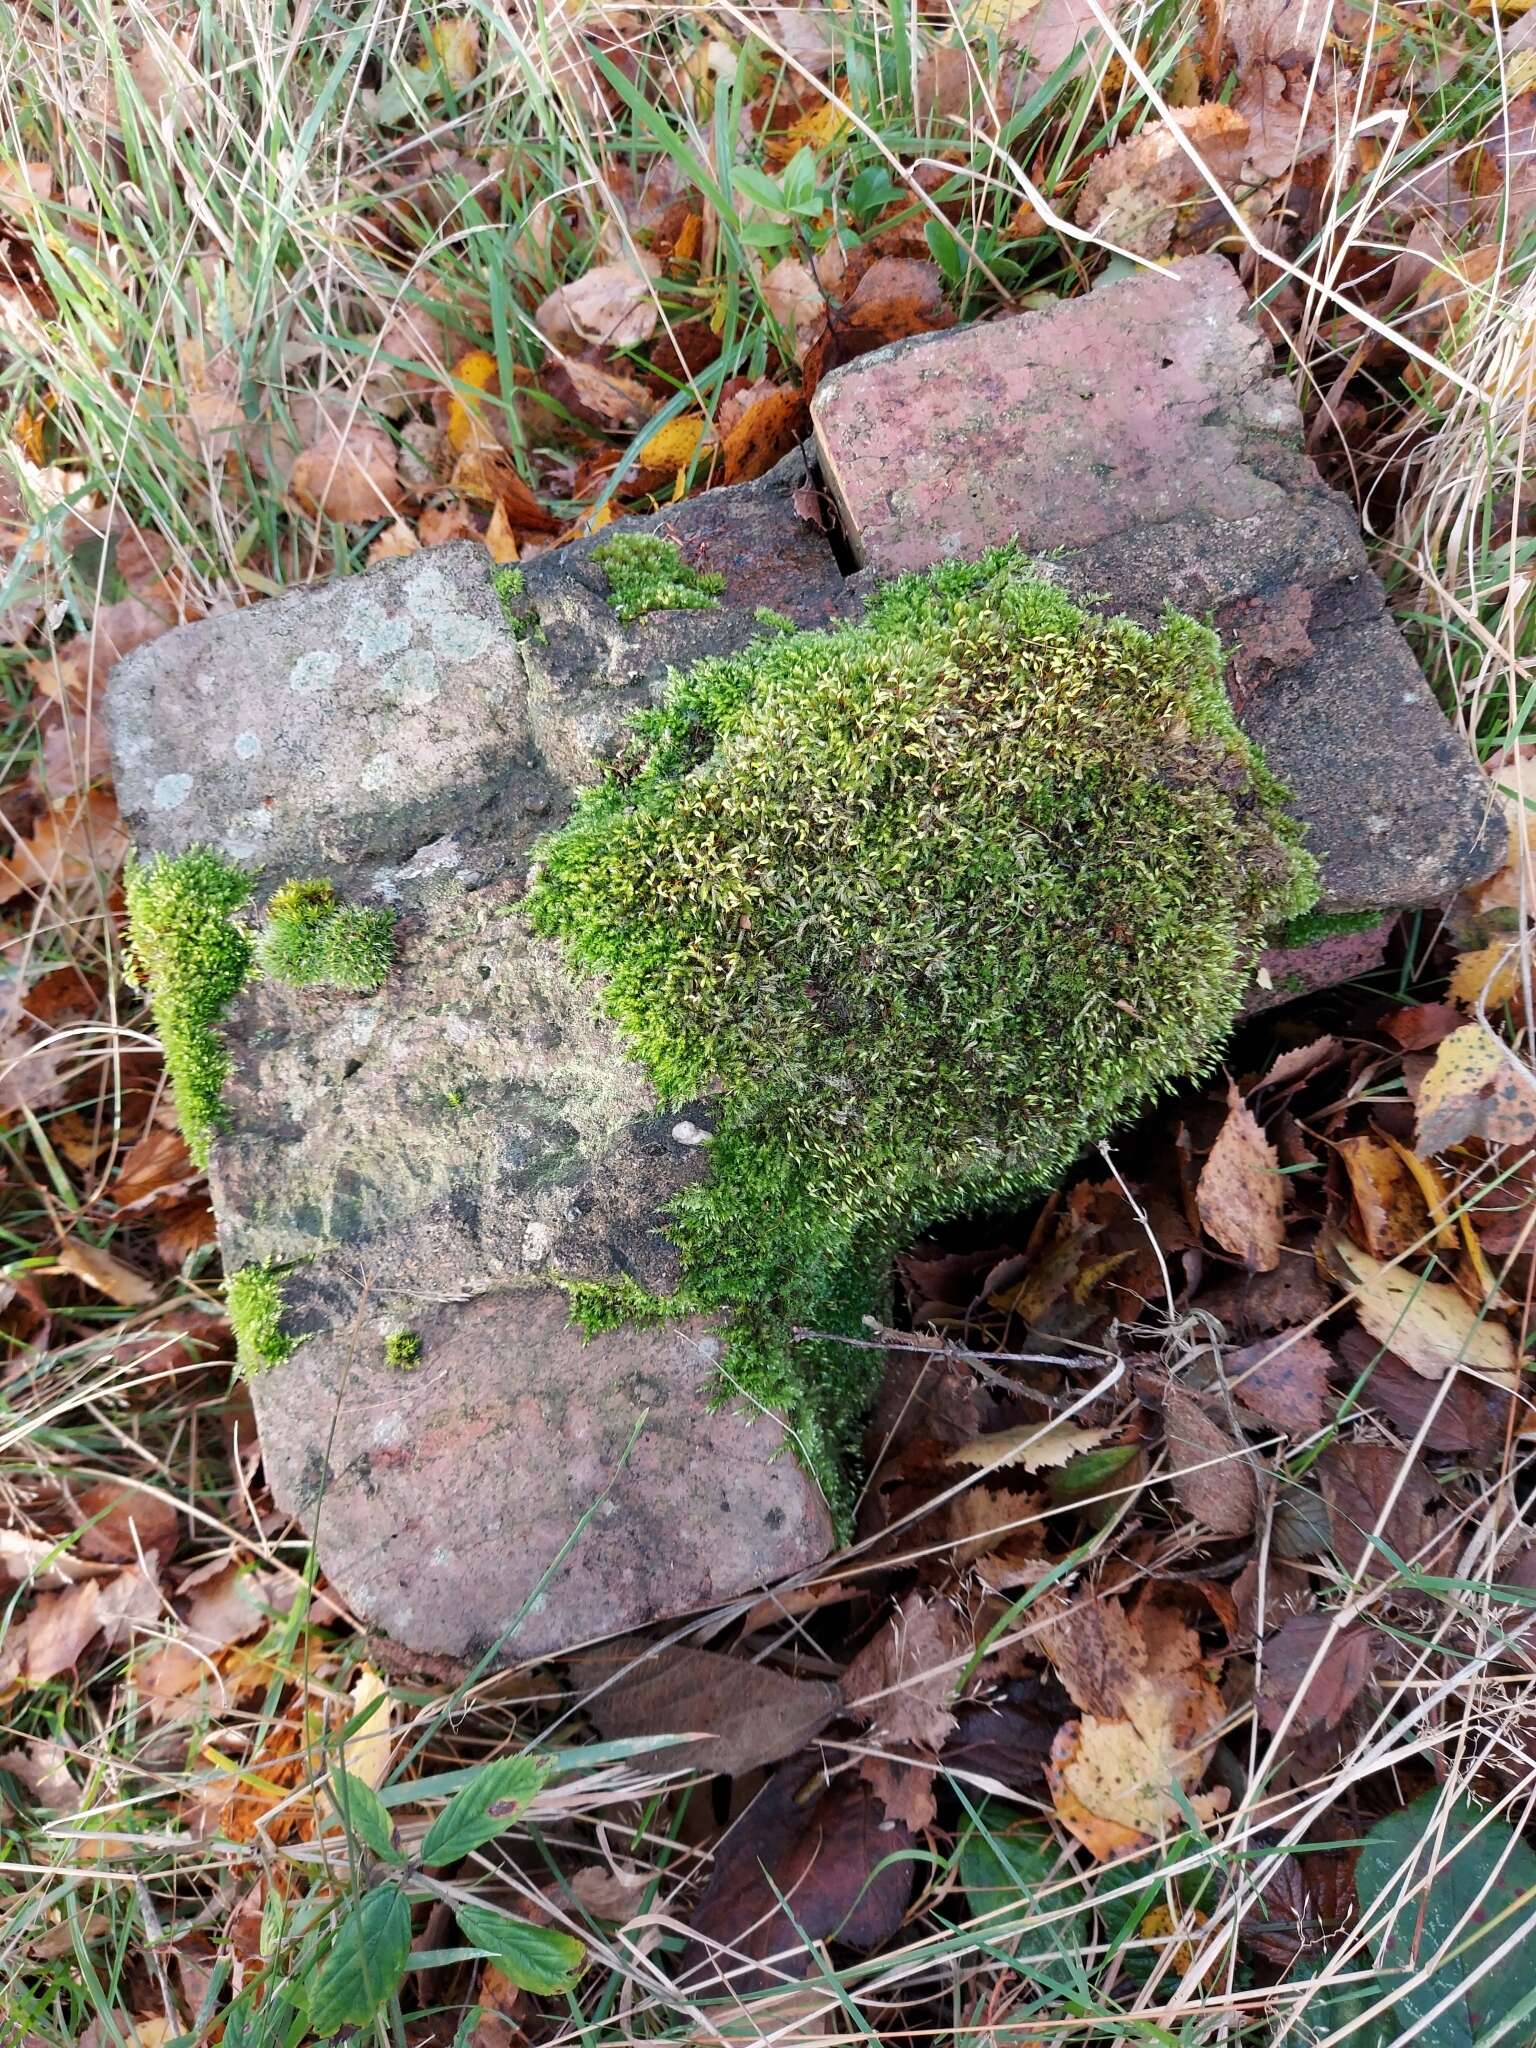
365, 1753
1029, 1448
500, 540
1486, 979
674, 445
466, 420
1477, 1087
456, 42
1430, 1326
818, 129
690, 235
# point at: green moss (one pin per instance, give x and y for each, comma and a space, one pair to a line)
402, 1349
190, 956
648, 574
254, 1296
309, 940
926, 903
511, 588
1312, 925
772, 621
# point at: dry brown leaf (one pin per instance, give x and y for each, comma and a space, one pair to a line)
490, 476
157, 1167
747, 1714
794, 298
1477, 1087
50, 1637
32, 1069
82, 838
43, 1768
1283, 1380
1133, 192
119, 1521
1430, 1326
393, 544
1389, 1206
1338, 1673
107, 1274
1031, 1447
1240, 1196
903, 1682
1210, 1471
607, 399
348, 474
613, 305
763, 429
897, 296
1513, 775
1299, 1060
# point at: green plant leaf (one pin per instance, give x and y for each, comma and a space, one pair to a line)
759, 188
1444, 1889
944, 247
537, 1959
363, 1814
483, 1808
1007, 1859
363, 1962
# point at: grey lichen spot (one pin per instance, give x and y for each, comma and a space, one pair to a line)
314, 672
459, 636
412, 681
378, 771
171, 792
247, 746
374, 633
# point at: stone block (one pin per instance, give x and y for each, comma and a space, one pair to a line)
1141, 438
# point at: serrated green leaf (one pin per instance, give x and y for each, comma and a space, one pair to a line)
362, 1963
537, 1959
1476, 1886
1006, 1859
490, 1803
363, 1814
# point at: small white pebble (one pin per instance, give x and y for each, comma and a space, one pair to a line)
685, 1133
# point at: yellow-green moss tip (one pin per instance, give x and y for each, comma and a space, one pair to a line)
648, 574
511, 588
309, 940
254, 1297
190, 956
402, 1350
928, 902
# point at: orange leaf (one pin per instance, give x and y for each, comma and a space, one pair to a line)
1240, 1194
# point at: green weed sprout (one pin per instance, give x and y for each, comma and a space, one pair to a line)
192, 958
309, 940
924, 904
254, 1297
648, 574
402, 1350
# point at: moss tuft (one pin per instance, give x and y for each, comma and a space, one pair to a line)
648, 574
511, 588
1313, 925
928, 902
190, 956
254, 1296
402, 1350
309, 940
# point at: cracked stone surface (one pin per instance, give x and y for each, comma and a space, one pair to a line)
1144, 433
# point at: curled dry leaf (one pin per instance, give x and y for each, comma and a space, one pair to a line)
50, 1637
1283, 1380
772, 420
794, 298
1133, 192
897, 296
106, 1273
743, 1714
1212, 1473
1428, 1324
1477, 1087
1316, 1670
1240, 1195
348, 474
606, 399
613, 305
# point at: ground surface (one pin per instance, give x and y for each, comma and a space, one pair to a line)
1197, 1555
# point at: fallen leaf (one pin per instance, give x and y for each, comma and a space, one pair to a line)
1134, 190
50, 1637
1472, 1419
1431, 1326
1372, 1503
1389, 1206
1031, 1447
1112, 1783
106, 1273
81, 839
762, 431
897, 296
1210, 1471
1488, 978
745, 1714
613, 304
347, 474
1337, 1676
1422, 1025
599, 398
831, 1854
1240, 1195
365, 1752
120, 1521
903, 1682
455, 42
794, 299
1298, 1061
43, 1768
490, 476
156, 1167
1283, 1380
1477, 1087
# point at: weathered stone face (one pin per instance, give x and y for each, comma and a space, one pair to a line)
436, 1154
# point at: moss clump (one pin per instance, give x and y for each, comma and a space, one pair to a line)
1325, 924
186, 951
402, 1350
928, 902
309, 940
648, 574
511, 588
254, 1297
